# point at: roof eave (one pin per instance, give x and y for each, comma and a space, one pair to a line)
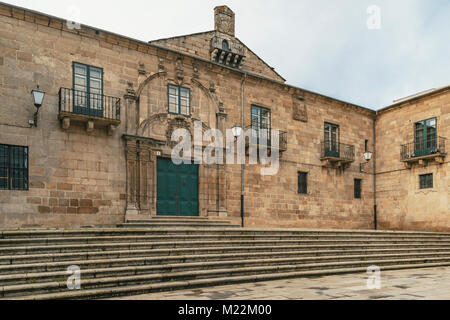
393, 106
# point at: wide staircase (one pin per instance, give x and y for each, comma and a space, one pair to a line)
168, 253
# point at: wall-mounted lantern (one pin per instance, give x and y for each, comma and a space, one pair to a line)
237, 131
38, 99
367, 157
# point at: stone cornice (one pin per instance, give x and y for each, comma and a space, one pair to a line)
151, 141
413, 100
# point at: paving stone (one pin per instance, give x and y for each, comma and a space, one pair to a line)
305, 289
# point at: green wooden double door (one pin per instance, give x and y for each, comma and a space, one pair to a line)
177, 191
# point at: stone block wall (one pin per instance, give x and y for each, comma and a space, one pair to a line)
402, 204
274, 200
79, 178
75, 178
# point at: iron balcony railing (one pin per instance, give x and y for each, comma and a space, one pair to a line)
90, 104
258, 134
341, 151
421, 148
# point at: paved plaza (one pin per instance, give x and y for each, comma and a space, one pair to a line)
413, 284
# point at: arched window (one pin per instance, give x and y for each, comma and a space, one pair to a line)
225, 45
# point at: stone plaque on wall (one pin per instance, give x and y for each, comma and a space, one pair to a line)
300, 109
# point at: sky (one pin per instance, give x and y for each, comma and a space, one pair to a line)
325, 46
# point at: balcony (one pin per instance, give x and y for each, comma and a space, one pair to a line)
93, 110
423, 151
259, 136
335, 154
232, 54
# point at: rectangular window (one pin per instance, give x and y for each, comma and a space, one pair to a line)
357, 188
426, 181
425, 137
303, 182
13, 167
331, 140
88, 89
179, 100
261, 123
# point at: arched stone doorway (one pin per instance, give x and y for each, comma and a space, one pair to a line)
148, 142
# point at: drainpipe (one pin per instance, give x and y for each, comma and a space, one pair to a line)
375, 173
243, 164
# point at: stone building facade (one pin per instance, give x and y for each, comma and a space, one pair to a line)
403, 202
98, 154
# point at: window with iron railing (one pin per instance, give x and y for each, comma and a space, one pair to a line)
342, 151
426, 143
261, 131
331, 140
425, 137
69, 99
87, 90
261, 124
13, 167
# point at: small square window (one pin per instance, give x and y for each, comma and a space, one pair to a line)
302, 182
426, 181
357, 188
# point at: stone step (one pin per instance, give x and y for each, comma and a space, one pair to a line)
206, 231
117, 254
149, 243
161, 224
168, 253
206, 275
180, 285
171, 217
167, 239
307, 236
194, 262
60, 262
166, 220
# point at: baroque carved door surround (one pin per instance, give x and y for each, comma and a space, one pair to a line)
142, 152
